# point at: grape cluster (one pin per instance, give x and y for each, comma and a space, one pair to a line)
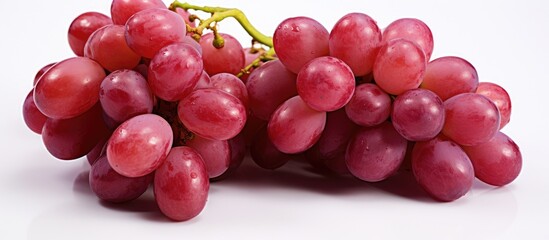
151, 100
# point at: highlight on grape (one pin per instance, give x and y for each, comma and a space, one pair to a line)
156, 95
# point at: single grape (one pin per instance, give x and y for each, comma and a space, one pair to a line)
399, 66
73, 138
231, 84
34, 119
413, 30
108, 47
265, 154
329, 150
418, 114
299, 40
152, 29
216, 154
41, 72
497, 162
125, 94
122, 10
69, 88
227, 59
442, 169
375, 153
139, 145
269, 86
356, 39
471, 119
212, 113
369, 106
450, 76
181, 184
295, 127
174, 71
110, 186
326, 84
500, 97
82, 27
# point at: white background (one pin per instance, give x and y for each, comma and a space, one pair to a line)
507, 41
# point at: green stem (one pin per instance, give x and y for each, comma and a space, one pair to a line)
219, 13
266, 56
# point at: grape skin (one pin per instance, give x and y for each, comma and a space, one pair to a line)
122, 10
450, 76
500, 97
82, 27
34, 119
107, 46
369, 106
216, 154
411, 29
228, 59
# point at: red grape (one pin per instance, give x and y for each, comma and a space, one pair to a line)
212, 113
399, 66
122, 10
174, 71
108, 47
413, 30
497, 162
442, 169
268, 87
450, 76
82, 27
299, 40
265, 154
69, 88
139, 145
152, 29
471, 119
32, 116
237, 147
227, 59
326, 84
356, 39
500, 97
110, 186
418, 114
375, 153
216, 154
231, 84
181, 184
295, 127
41, 72
369, 105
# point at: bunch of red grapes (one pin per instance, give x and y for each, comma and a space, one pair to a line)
150, 103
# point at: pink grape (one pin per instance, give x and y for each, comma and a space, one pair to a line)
450, 76
181, 184
269, 86
174, 71
212, 113
329, 150
125, 94
69, 88
399, 66
110, 186
413, 30
295, 127
418, 114
108, 47
34, 119
231, 84
152, 29
73, 138
139, 145
265, 154
356, 39
471, 119
500, 97
41, 72
369, 106
228, 59
216, 154
237, 147
326, 84
497, 162
299, 40
375, 153
82, 27
442, 169
122, 10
